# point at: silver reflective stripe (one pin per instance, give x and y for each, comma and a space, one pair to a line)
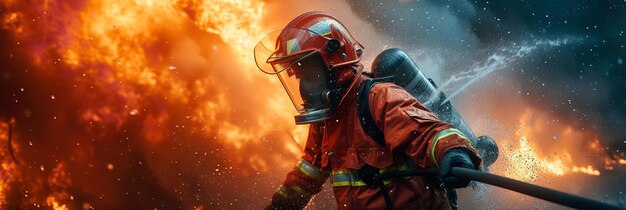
309, 169
412, 83
343, 178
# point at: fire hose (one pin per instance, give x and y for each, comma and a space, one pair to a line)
543, 193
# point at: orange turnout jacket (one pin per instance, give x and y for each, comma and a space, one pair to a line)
336, 148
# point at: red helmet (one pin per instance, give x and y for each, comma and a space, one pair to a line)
311, 32
310, 56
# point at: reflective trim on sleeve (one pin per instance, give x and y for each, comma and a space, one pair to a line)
299, 190
309, 169
282, 192
292, 190
441, 135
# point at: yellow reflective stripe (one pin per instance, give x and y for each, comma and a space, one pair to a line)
342, 178
358, 183
388, 169
299, 190
335, 172
443, 134
292, 46
349, 183
282, 192
394, 168
382, 171
309, 169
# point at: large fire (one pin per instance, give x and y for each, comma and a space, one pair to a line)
159, 73
158, 104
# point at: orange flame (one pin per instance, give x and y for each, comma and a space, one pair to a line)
8, 174
167, 66
586, 170
527, 162
51, 201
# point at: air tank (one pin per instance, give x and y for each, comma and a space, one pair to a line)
400, 68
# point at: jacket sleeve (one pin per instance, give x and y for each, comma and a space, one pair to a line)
412, 129
305, 179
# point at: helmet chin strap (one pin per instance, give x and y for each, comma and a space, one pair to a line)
357, 75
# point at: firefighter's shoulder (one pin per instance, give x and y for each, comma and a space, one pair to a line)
389, 91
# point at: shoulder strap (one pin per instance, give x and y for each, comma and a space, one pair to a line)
365, 114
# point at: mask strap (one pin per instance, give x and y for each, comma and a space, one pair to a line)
359, 71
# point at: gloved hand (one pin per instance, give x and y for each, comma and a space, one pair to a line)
457, 157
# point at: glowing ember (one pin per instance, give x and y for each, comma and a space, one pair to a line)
51, 201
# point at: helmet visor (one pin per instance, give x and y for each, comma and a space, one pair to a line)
281, 49
305, 81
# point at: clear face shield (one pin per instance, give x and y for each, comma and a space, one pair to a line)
293, 55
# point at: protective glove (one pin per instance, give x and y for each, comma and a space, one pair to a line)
457, 157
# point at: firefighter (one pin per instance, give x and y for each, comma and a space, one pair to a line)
359, 129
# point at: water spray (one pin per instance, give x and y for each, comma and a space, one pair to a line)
497, 61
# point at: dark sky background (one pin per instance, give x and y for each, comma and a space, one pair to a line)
585, 82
